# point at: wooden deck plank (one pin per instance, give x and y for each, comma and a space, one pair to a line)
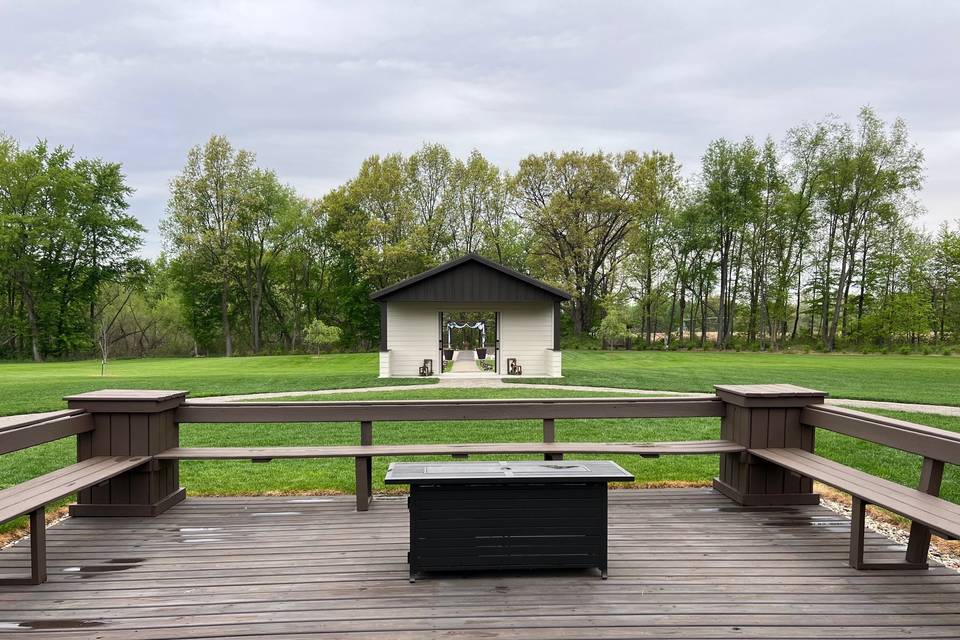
683, 563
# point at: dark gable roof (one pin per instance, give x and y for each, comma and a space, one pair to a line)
471, 279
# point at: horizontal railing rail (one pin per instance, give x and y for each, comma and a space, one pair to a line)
30, 433
453, 410
930, 442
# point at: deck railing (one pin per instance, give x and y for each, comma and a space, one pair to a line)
756, 421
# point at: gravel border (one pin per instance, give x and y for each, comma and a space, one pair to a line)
893, 532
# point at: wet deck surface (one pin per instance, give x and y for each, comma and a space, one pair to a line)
683, 564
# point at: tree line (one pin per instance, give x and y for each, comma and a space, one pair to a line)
807, 240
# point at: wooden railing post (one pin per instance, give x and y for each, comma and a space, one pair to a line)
130, 423
364, 469
550, 436
931, 476
38, 546
761, 417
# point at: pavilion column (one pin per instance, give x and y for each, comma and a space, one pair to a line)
765, 416
130, 423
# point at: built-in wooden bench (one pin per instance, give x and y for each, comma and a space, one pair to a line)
363, 454
926, 511
32, 496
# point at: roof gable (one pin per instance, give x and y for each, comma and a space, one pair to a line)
471, 279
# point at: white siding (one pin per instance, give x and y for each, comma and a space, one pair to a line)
526, 333
412, 336
553, 363
384, 364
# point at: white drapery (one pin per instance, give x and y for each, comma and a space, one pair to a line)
451, 325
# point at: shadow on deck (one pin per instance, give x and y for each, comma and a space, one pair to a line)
683, 564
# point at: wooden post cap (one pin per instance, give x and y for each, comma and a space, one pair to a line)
127, 400
769, 395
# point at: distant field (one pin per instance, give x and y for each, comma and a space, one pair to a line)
319, 476
915, 378
29, 387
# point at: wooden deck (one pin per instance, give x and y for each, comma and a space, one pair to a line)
683, 564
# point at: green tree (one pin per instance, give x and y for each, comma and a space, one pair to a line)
613, 327
320, 334
207, 201
428, 181
64, 233
945, 283
732, 198
574, 205
266, 224
656, 190
869, 172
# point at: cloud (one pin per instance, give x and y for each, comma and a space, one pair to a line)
314, 87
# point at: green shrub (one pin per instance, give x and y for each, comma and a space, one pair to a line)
905, 350
582, 342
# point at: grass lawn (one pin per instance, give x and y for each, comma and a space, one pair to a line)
29, 387
914, 378
317, 476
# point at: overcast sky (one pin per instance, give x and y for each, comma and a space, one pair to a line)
313, 88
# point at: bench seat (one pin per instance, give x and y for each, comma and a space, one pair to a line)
363, 454
32, 496
928, 511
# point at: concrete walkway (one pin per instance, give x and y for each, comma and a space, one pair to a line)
464, 362
494, 382
935, 409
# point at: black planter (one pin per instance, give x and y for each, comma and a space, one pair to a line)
448, 354
482, 353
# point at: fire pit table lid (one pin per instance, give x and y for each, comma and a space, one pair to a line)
499, 472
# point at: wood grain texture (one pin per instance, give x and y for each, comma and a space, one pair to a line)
692, 447
919, 506
27, 496
485, 409
683, 564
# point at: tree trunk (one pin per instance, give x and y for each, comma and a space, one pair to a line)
225, 320
838, 303
32, 322
256, 309
648, 307
673, 309
724, 284
683, 308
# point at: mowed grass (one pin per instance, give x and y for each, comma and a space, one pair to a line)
30, 387
337, 475
26, 387
929, 379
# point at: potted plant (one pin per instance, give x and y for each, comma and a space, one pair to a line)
481, 353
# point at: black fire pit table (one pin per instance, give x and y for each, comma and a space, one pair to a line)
507, 515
